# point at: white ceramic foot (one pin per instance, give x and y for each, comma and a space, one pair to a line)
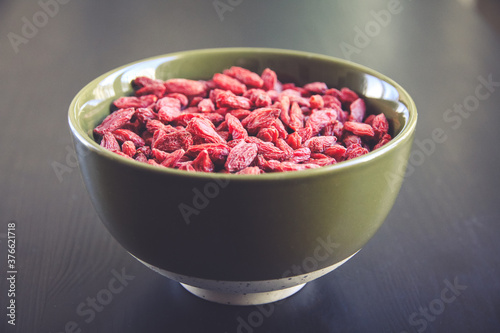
242, 299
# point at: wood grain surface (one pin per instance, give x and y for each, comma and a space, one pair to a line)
434, 266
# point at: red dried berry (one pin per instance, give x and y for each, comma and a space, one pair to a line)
135, 102
316, 102
109, 142
203, 162
358, 110
123, 135
235, 128
159, 155
128, 147
217, 152
269, 79
156, 88
296, 117
316, 87
241, 156
114, 121
347, 95
185, 87
170, 142
319, 144
140, 157
294, 140
385, 139
142, 81
204, 129
300, 155
226, 82
260, 118
240, 113
206, 105
258, 97
380, 125
143, 115
354, 151
360, 129
331, 102
230, 100
245, 76
252, 170
290, 166
351, 139
183, 99
320, 118
337, 152
283, 145
270, 134
172, 159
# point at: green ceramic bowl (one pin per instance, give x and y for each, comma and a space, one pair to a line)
244, 239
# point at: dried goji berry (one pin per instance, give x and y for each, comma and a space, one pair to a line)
269, 79
128, 147
206, 105
157, 89
358, 110
170, 142
380, 125
183, 99
337, 152
140, 157
319, 144
252, 170
320, 118
172, 159
235, 128
316, 102
245, 76
300, 155
316, 87
354, 151
135, 102
185, 87
203, 162
123, 135
114, 121
241, 156
347, 95
260, 118
360, 129
109, 142
258, 97
217, 152
386, 138
204, 129
226, 82
269, 134
230, 100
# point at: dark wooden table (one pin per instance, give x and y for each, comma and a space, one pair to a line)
434, 266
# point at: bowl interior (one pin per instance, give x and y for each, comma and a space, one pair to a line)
382, 94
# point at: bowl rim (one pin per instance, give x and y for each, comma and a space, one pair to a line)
405, 133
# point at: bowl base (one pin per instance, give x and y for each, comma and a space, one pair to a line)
242, 299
